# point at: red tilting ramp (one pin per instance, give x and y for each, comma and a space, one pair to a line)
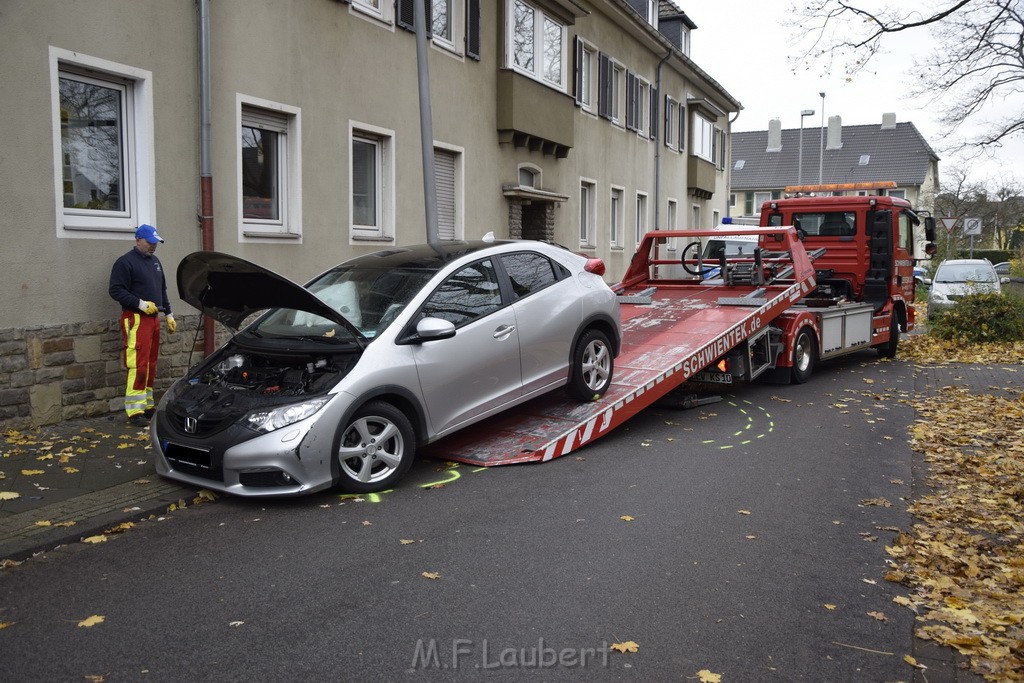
671, 329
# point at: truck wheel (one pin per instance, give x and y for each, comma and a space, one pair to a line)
888, 349
377, 448
805, 355
592, 366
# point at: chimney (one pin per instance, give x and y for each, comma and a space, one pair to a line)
774, 136
889, 121
835, 133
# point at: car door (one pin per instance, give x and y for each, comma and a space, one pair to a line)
477, 370
548, 312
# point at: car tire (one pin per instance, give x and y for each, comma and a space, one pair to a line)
888, 349
592, 366
376, 448
805, 355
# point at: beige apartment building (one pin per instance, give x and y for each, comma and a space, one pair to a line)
288, 133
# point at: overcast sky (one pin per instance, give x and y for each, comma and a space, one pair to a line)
744, 46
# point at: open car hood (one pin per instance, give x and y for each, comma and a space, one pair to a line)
230, 289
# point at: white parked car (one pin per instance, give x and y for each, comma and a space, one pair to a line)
956, 278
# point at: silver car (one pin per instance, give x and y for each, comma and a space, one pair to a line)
343, 379
956, 278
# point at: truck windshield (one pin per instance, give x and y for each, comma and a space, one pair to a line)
827, 223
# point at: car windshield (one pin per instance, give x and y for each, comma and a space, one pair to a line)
965, 272
368, 298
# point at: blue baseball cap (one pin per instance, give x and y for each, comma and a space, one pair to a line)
148, 233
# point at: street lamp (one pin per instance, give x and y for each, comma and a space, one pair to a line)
821, 150
800, 163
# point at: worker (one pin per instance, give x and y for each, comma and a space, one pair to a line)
137, 283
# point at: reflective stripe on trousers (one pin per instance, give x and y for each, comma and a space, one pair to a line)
140, 335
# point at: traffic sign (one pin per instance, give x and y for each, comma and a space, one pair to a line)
972, 226
948, 224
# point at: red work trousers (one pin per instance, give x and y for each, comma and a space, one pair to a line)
140, 335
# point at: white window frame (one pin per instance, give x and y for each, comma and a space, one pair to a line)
902, 194
616, 215
289, 221
643, 125
670, 125
139, 165
537, 70
536, 171
456, 19
716, 218
695, 216
703, 137
460, 185
385, 205
588, 205
590, 79
671, 221
382, 12
759, 199
618, 94
640, 216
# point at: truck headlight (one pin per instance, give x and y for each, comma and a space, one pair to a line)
282, 416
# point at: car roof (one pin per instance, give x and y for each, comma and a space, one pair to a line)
966, 261
422, 256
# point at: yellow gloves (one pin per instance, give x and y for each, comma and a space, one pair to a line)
172, 325
147, 307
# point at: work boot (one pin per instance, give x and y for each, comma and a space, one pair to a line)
138, 420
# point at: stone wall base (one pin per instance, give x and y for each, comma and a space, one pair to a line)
64, 372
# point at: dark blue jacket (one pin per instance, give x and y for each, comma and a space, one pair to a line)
138, 276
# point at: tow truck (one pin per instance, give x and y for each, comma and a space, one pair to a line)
831, 275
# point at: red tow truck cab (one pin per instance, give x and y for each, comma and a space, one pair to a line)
865, 272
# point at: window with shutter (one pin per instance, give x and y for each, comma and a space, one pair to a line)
670, 129
631, 100
371, 182
405, 14
604, 97
473, 29
445, 186
269, 169
681, 142
654, 113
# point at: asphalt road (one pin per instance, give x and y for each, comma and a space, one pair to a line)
746, 538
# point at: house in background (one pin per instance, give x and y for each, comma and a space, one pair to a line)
765, 162
582, 123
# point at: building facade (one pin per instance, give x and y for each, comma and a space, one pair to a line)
288, 133
765, 162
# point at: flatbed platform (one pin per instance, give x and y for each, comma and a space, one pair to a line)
670, 331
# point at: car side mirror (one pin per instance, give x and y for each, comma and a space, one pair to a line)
434, 328
928, 281
1004, 280
428, 329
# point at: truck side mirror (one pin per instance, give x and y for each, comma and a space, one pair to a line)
929, 231
931, 249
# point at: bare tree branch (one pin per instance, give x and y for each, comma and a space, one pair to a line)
978, 66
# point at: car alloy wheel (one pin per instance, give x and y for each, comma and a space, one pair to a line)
592, 366
376, 448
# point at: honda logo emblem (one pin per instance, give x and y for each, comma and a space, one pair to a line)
191, 424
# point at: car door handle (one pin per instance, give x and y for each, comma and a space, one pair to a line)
504, 331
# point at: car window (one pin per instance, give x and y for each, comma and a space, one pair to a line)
529, 272
469, 294
965, 272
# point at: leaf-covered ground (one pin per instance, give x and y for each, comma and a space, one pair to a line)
964, 558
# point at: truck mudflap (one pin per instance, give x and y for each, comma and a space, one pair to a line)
670, 333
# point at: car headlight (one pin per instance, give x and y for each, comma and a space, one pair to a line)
275, 418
